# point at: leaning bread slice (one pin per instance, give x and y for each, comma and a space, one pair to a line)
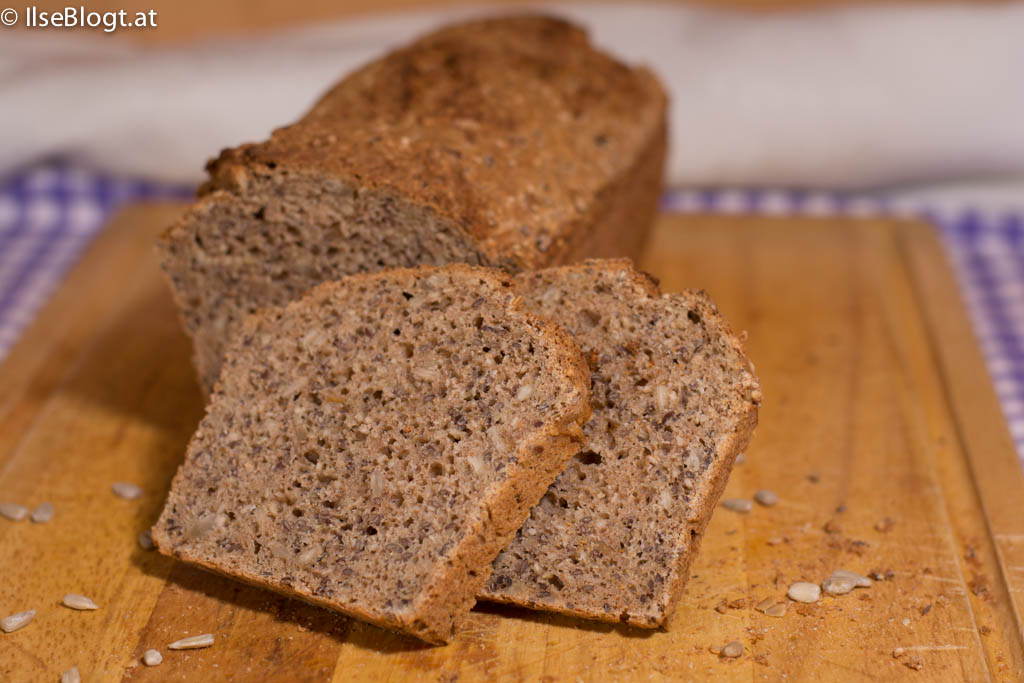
674, 400
372, 446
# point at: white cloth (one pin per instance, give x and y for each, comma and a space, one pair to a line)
854, 97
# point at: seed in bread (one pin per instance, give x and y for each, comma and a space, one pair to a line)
674, 401
366, 450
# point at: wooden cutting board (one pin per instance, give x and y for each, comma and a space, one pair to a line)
879, 431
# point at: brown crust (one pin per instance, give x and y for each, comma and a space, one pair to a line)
706, 497
623, 213
451, 592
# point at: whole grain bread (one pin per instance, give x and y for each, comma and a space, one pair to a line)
372, 446
674, 399
509, 142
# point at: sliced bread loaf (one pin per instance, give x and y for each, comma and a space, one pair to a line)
674, 401
508, 142
372, 446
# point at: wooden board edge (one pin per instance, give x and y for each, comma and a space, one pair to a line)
991, 455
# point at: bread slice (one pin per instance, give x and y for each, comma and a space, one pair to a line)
674, 400
507, 142
372, 446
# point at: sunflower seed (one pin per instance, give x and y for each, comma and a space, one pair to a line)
737, 504
43, 513
858, 580
733, 649
146, 539
310, 554
15, 621
777, 610
192, 642
804, 591
692, 460
766, 498
152, 658
661, 397
426, 373
13, 511
71, 676
126, 490
837, 585
79, 602
203, 526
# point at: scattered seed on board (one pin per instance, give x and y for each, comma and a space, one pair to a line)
152, 658
733, 649
858, 580
837, 585
777, 610
43, 513
146, 539
79, 602
741, 458
15, 621
71, 676
804, 591
764, 604
737, 504
13, 511
766, 498
192, 642
126, 490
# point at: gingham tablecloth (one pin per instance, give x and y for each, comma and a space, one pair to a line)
50, 213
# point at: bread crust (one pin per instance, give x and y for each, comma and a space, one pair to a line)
461, 573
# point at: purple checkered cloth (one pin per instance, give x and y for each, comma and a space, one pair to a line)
48, 216
50, 213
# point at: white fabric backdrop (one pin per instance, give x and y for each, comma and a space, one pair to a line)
856, 97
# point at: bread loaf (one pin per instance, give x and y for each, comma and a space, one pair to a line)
507, 142
373, 445
674, 400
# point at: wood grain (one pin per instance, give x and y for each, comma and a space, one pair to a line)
877, 405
